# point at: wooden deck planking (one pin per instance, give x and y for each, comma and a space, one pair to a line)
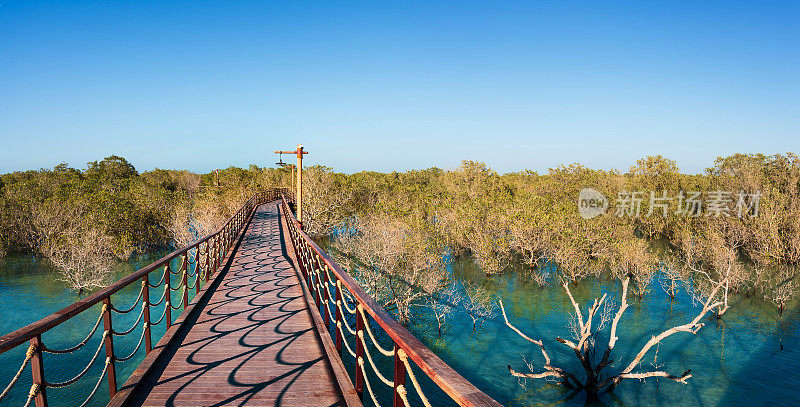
253, 343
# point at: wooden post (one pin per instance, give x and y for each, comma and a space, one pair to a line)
197, 270
299, 206
399, 377
167, 297
148, 340
206, 260
326, 295
359, 352
339, 316
297, 199
37, 368
216, 254
185, 278
109, 340
315, 270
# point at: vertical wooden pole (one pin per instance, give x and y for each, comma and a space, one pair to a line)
339, 317
207, 257
197, 270
315, 270
167, 296
216, 254
299, 206
37, 368
399, 377
326, 294
185, 278
359, 352
148, 340
109, 340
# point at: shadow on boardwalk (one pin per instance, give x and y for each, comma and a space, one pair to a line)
252, 342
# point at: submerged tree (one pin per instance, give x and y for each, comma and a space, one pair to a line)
442, 304
397, 261
478, 303
594, 380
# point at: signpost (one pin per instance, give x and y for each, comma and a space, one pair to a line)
299, 193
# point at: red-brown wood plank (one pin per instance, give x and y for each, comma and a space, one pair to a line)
254, 342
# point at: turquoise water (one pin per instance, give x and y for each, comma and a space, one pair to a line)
735, 361
30, 290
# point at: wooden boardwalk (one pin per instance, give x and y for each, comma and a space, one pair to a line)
253, 343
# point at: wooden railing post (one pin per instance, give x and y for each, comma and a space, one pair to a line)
109, 340
399, 377
197, 270
339, 323
206, 260
37, 369
168, 296
148, 340
307, 256
298, 252
216, 254
359, 351
326, 295
185, 278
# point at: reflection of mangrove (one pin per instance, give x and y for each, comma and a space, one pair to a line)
584, 335
500, 220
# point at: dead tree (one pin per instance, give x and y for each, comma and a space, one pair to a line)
442, 304
478, 304
594, 381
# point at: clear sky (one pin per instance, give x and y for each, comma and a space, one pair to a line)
396, 85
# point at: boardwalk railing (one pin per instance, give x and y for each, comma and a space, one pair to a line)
336, 293
196, 263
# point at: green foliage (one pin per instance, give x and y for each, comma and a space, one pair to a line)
496, 218
42, 211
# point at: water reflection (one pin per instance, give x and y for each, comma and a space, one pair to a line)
30, 290
723, 356
735, 361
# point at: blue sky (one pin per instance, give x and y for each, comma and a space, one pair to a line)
396, 85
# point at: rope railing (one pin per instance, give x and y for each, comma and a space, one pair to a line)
133, 306
197, 263
81, 343
28, 356
333, 291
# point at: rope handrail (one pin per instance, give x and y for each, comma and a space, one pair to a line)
372, 362
163, 295
372, 336
135, 324
97, 385
366, 381
161, 318
136, 348
28, 356
81, 343
135, 302
159, 283
85, 369
311, 258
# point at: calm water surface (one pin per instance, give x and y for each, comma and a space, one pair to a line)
30, 290
734, 361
